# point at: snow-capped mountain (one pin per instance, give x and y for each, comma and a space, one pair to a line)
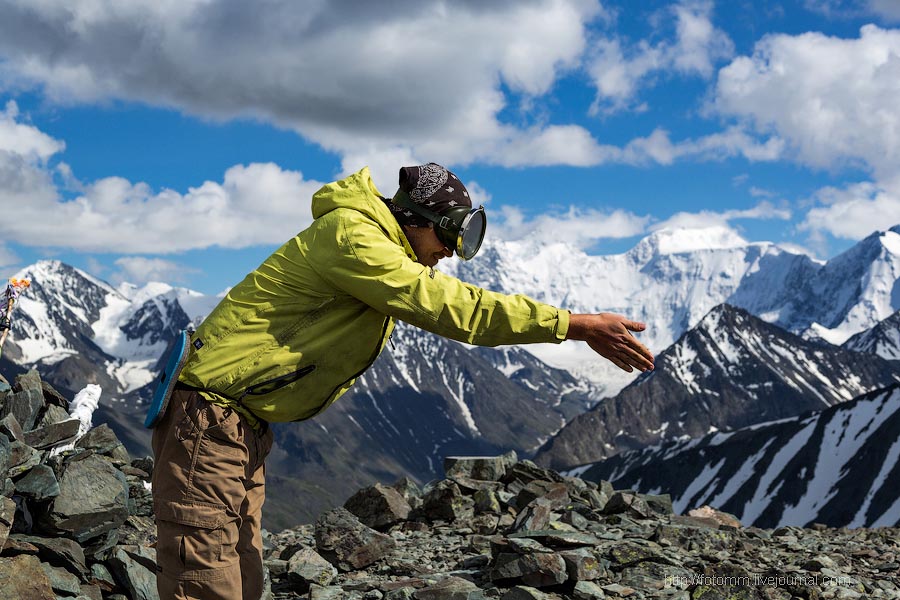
672, 278
883, 339
731, 371
838, 466
69, 322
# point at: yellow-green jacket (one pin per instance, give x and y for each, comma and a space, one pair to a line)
293, 336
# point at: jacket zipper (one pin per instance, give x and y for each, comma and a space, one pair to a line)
384, 327
277, 382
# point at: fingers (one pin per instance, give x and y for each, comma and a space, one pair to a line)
634, 325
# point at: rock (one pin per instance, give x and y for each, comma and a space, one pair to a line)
488, 468
7, 515
307, 567
586, 590
135, 569
38, 484
378, 506
22, 458
54, 399
582, 565
101, 577
53, 414
628, 504
348, 544
556, 494
317, 592
535, 516
145, 464
23, 578
26, 400
537, 570
451, 588
103, 440
9, 426
560, 539
523, 592
53, 434
61, 580
722, 518
660, 504
445, 502
526, 471
404, 593
59, 552
92, 500
486, 501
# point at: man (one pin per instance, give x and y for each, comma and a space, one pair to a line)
293, 336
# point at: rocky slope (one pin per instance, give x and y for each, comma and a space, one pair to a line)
883, 339
838, 466
76, 524
731, 371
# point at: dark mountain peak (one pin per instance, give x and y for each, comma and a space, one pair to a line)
832, 466
732, 370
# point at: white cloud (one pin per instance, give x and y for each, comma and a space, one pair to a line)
254, 204
140, 270
579, 227
833, 101
620, 72
707, 218
854, 211
25, 140
356, 78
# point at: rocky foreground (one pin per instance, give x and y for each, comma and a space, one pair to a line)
76, 522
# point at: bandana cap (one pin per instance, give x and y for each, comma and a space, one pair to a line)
432, 186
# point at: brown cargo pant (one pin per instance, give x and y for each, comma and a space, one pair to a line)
208, 491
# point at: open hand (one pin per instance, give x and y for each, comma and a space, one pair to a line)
609, 335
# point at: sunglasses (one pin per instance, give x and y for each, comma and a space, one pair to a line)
460, 227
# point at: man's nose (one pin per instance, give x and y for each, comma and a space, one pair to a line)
447, 252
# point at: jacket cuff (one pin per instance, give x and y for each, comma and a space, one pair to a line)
562, 325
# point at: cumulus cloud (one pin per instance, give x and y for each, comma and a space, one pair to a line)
140, 270
619, 71
253, 204
833, 101
707, 218
354, 77
24, 139
854, 211
579, 227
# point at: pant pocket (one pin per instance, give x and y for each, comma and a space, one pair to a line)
195, 540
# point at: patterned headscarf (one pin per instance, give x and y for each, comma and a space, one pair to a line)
432, 186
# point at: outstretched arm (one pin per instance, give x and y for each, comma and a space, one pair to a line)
609, 335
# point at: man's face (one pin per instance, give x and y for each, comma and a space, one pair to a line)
425, 243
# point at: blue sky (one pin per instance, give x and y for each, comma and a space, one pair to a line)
181, 141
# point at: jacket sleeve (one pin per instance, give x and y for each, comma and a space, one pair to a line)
371, 267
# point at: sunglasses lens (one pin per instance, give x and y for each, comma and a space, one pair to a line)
472, 234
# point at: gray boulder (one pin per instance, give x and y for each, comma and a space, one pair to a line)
26, 401
378, 506
38, 484
23, 578
93, 500
489, 468
53, 434
348, 544
135, 569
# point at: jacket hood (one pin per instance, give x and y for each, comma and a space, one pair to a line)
357, 192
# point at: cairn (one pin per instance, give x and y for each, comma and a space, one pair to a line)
75, 523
